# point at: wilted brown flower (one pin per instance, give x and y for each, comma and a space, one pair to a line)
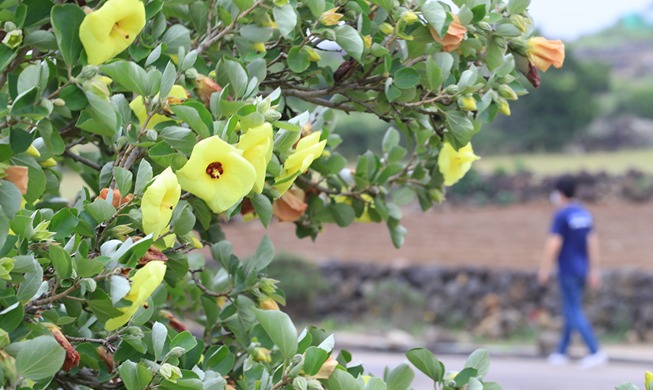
454, 36
173, 321
151, 255
206, 87
18, 176
291, 206
72, 356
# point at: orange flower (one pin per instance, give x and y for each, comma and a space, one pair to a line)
544, 52
206, 87
455, 34
18, 176
291, 206
116, 201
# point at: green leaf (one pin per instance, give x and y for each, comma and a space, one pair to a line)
30, 285
26, 104
66, 20
10, 199
192, 115
281, 330
184, 220
426, 362
61, 261
461, 129
159, 334
350, 40
263, 208
100, 210
436, 15
433, 75
135, 376
314, 359
298, 59
400, 378
518, 6
479, 360
397, 232
168, 79
180, 138
317, 7
463, 376
40, 358
342, 380
343, 214
237, 76
286, 19
143, 176
129, 75
175, 37
63, 223
6, 56
123, 180
626, 386
263, 256
184, 340
406, 78
494, 56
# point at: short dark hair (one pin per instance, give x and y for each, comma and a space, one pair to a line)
566, 185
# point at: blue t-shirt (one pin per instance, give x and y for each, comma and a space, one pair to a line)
574, 224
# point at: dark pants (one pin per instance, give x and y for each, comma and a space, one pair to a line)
571, 291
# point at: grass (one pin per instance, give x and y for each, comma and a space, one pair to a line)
555, 164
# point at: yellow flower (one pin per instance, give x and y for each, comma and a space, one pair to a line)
268, 304
48, 163
455, 164
369, 203
313, 55
105, 33
256, 145
217, 173
258, 47
32, 151
367, 40
467, 103
409, 17
176, 93
144, 282
648, 378
543, 53
160, 198
308, 149
330, 17
262, 355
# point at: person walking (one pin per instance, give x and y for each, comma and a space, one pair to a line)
573, 242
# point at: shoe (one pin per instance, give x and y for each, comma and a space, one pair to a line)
557, 359
596, 359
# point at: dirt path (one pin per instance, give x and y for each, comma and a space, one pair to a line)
509, 237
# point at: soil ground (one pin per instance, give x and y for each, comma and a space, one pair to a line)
505, 237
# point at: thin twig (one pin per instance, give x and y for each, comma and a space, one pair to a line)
83, 160
205, 290
210, 40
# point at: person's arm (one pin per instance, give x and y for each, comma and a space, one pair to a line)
594, 260
551, 251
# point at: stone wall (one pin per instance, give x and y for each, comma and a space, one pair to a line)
487, 302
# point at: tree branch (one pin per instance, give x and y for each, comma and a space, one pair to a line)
83, 160
205, 290
210, 40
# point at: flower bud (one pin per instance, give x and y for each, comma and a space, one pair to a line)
367, 41
10, 26
503, 106
330, 17
4, 338
451, 89
13, 39
170, 372
409, 17
32, 151
467, 103
485, 26
259, 47
314, 384
97, 87
508, 93
521, 22
268, 304
175, 352
88, 72
8, 367
58, 102
272, 115
121, 232
313, 55
262, 355
268, 286
386, 28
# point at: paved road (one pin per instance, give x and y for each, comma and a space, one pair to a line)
523, 374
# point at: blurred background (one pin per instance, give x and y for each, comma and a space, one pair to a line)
466, 274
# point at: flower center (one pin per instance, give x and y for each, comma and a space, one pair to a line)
120, 31
215, 170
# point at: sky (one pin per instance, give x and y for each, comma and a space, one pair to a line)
570, 19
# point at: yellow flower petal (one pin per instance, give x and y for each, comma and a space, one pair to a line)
256, 145
455, 164
159, 200
330, 17
105, 33
144, 282
217, 173
543, 53
177, 92
648, 378
308, 149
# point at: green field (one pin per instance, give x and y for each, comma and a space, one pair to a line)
554, 164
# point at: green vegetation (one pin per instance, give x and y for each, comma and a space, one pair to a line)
553, 164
